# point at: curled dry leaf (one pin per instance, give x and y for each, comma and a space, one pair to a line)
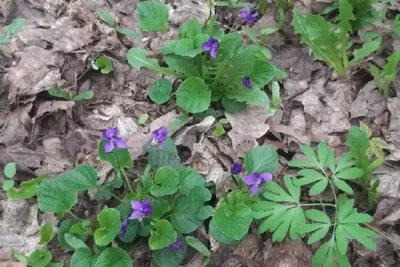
394, 126
188, 135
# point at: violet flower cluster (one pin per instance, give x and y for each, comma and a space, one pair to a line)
247, 15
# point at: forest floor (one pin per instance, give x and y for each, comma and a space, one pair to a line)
55, 48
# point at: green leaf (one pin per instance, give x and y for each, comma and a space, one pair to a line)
129, 33
7, 185
114, 257
19, 256
233, 220
81, 228
166, 182
322, 153
169, 257
229, 45
367, 49
10, 170
345, 15
342, 185
46, 233
278, 194
63, 229
317, 216
161, 90
143, 118
56, 92
193, 95
106, 17
251, 97
220, 236
55, 264
83, 177
262, 73
84, 96
345, 206
219, 130
39, 258
373, 193
183, 218
15, 26
153, 16
163, 235
231, 105
83, 257
261, 159
119, 158
131, 231
309, 176
362, 235
160, 207
189, 179
74, 242
186, 47
137, 58
320, 255
197, 245
104, 64
109, 226
319, 234
341, 239
318, 187
54, 196
183, 65
197, 197
162, 158
193, 28
351, 173
320, 35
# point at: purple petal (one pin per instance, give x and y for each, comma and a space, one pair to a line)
265, 177
251, 20
119, 142
108, 146
214, 52
254, 189
110, 133
124, 226
236, 168
147, 209
135, 215
136, 205
207, 46
163, 131
251, 179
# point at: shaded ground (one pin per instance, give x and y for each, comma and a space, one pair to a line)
43, 136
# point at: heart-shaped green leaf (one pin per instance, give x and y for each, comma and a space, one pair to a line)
109, 226
163, 235
166, 182
83, 177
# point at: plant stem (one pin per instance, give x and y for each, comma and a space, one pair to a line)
128, 183
382, 234
317, 204
335, 198
73, 215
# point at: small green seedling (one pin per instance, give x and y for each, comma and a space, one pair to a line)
57, 92
104, 64
384, 78
11, 30
112, 23
276, 99
9, 172
143, 118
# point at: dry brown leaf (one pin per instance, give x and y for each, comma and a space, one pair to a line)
247, 126
37, 71
52, 106
7, 260
369, 102
394, 126
14, 126
188, 135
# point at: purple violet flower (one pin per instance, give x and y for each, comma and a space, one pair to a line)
247, 15
177, 244
256, 180
236, 168
140, 209
124, 226
212, 46
111, 140
159, 136
246, 82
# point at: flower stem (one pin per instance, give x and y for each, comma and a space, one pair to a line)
73, 215
127, 182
